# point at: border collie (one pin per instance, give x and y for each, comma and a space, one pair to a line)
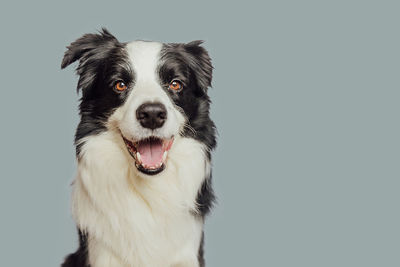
143, 144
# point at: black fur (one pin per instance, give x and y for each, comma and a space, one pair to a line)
200, 254
191, 64
102, 62
79, 258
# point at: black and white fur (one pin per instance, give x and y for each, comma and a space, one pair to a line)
124, 216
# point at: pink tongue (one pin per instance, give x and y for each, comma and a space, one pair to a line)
151, 153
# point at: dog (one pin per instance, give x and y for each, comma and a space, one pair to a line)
143, 148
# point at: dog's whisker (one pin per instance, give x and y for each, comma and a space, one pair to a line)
190, 128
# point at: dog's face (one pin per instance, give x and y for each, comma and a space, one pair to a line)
147, 92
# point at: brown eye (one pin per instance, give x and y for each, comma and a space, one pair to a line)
120, 86
175, 85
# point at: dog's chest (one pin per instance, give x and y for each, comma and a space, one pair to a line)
158, 241
132, 221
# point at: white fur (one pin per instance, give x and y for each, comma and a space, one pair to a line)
133, 219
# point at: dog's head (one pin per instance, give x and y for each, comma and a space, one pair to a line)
147, 92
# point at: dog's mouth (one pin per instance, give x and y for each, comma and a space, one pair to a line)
150, 154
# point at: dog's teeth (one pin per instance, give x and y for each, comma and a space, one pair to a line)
138, 157
164, 156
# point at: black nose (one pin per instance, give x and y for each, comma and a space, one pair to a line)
151, 115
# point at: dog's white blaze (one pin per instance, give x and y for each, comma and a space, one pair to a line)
134, 220
144, 58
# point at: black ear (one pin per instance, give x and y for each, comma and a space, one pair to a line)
86, 44
90, 50
200, 63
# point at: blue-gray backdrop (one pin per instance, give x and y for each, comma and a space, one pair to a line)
306, 99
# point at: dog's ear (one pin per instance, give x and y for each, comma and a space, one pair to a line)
90, 49
86, 44
200, 63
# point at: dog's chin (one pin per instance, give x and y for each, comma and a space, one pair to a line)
149, 154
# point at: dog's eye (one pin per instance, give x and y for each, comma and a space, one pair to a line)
120, 86
175, 85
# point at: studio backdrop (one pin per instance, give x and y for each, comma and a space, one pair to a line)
305, 96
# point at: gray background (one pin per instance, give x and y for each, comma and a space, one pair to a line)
305, 98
